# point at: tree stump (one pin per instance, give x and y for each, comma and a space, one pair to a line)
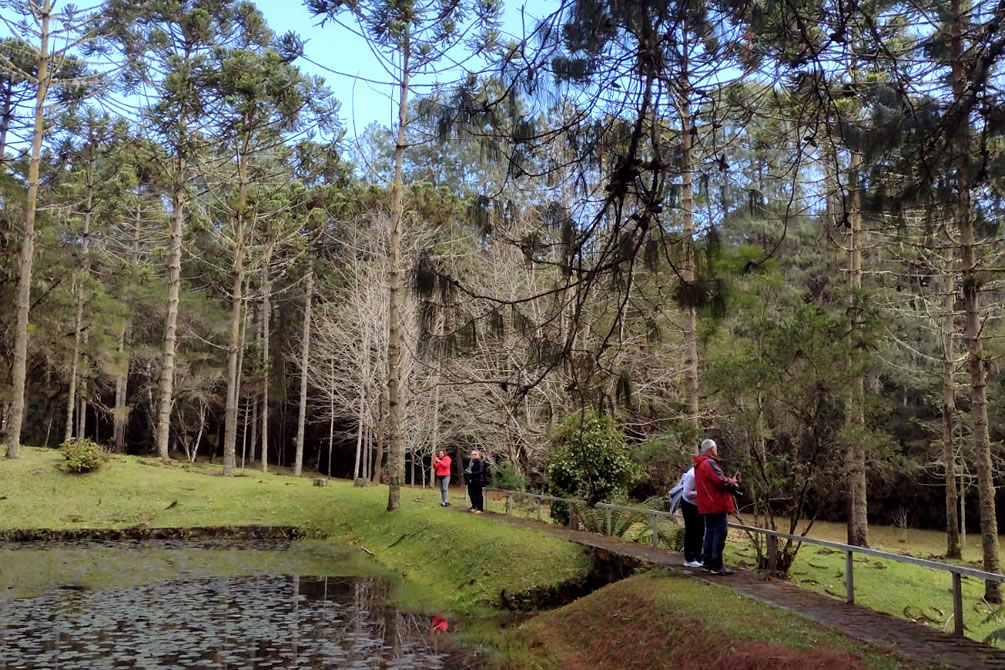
360, 482
320, 481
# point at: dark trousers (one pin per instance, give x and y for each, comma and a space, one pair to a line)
694, 531
475, 493
715, 540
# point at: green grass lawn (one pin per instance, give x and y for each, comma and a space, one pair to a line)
900, 589
449, 560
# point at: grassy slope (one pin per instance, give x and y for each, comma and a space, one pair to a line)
663, 621
451, 561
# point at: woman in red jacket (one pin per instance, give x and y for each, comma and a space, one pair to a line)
441, 467
715, 503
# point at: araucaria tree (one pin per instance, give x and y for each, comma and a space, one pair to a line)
263, 102
50, 39
413, 38
169, 46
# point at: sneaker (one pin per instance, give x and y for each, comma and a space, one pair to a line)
443, 504
471, 509
692, 564
722, 572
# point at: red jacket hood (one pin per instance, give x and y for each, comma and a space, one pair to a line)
698, 460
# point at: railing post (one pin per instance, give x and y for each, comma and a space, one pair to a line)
607, 521
538, 499
957, 604
849, 576
656, 533
509, 504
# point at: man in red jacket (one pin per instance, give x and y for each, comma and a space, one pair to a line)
715, 503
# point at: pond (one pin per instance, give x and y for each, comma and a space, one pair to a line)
206, 605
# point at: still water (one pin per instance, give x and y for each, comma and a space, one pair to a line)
61, 608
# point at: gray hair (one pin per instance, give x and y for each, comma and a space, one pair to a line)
706, 446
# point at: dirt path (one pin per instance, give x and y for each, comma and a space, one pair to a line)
915, 641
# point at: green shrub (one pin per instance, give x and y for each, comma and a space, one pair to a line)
509, 478
590, 461
82, 456
664, 457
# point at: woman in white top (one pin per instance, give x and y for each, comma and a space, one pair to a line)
694, 527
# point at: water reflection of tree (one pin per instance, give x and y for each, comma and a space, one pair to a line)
366, 618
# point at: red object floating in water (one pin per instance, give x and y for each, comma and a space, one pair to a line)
438, 624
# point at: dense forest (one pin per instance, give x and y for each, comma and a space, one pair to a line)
583, 248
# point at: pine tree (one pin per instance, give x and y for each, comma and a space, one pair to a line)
412, 36
68, 31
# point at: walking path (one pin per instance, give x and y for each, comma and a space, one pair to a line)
912, 640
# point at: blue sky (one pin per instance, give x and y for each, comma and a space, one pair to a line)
338, 49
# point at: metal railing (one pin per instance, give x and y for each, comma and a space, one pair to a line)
958, 572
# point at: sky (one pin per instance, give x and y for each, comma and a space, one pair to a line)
337, 49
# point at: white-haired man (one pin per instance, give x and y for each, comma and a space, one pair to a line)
715, 504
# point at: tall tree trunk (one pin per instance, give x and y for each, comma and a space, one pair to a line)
6, 116
688, 273
121, 418
858, 520
236, 302
361, 415
71, 395
121, 389
166, 391
254, 427
953, 548
459, 462
20, 367
302, 413
378, 460
395, 348
233, 354
972, 317
435, 440
240, 377
202, 427
963, 510
367, 454
78, 322
331, 415
253, 401
81, 417
266, 322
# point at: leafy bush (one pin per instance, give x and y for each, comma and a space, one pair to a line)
589, 461
509, 478
82, 455
663, 458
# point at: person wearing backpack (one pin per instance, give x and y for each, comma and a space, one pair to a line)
478, 475
685, 496
715, 503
